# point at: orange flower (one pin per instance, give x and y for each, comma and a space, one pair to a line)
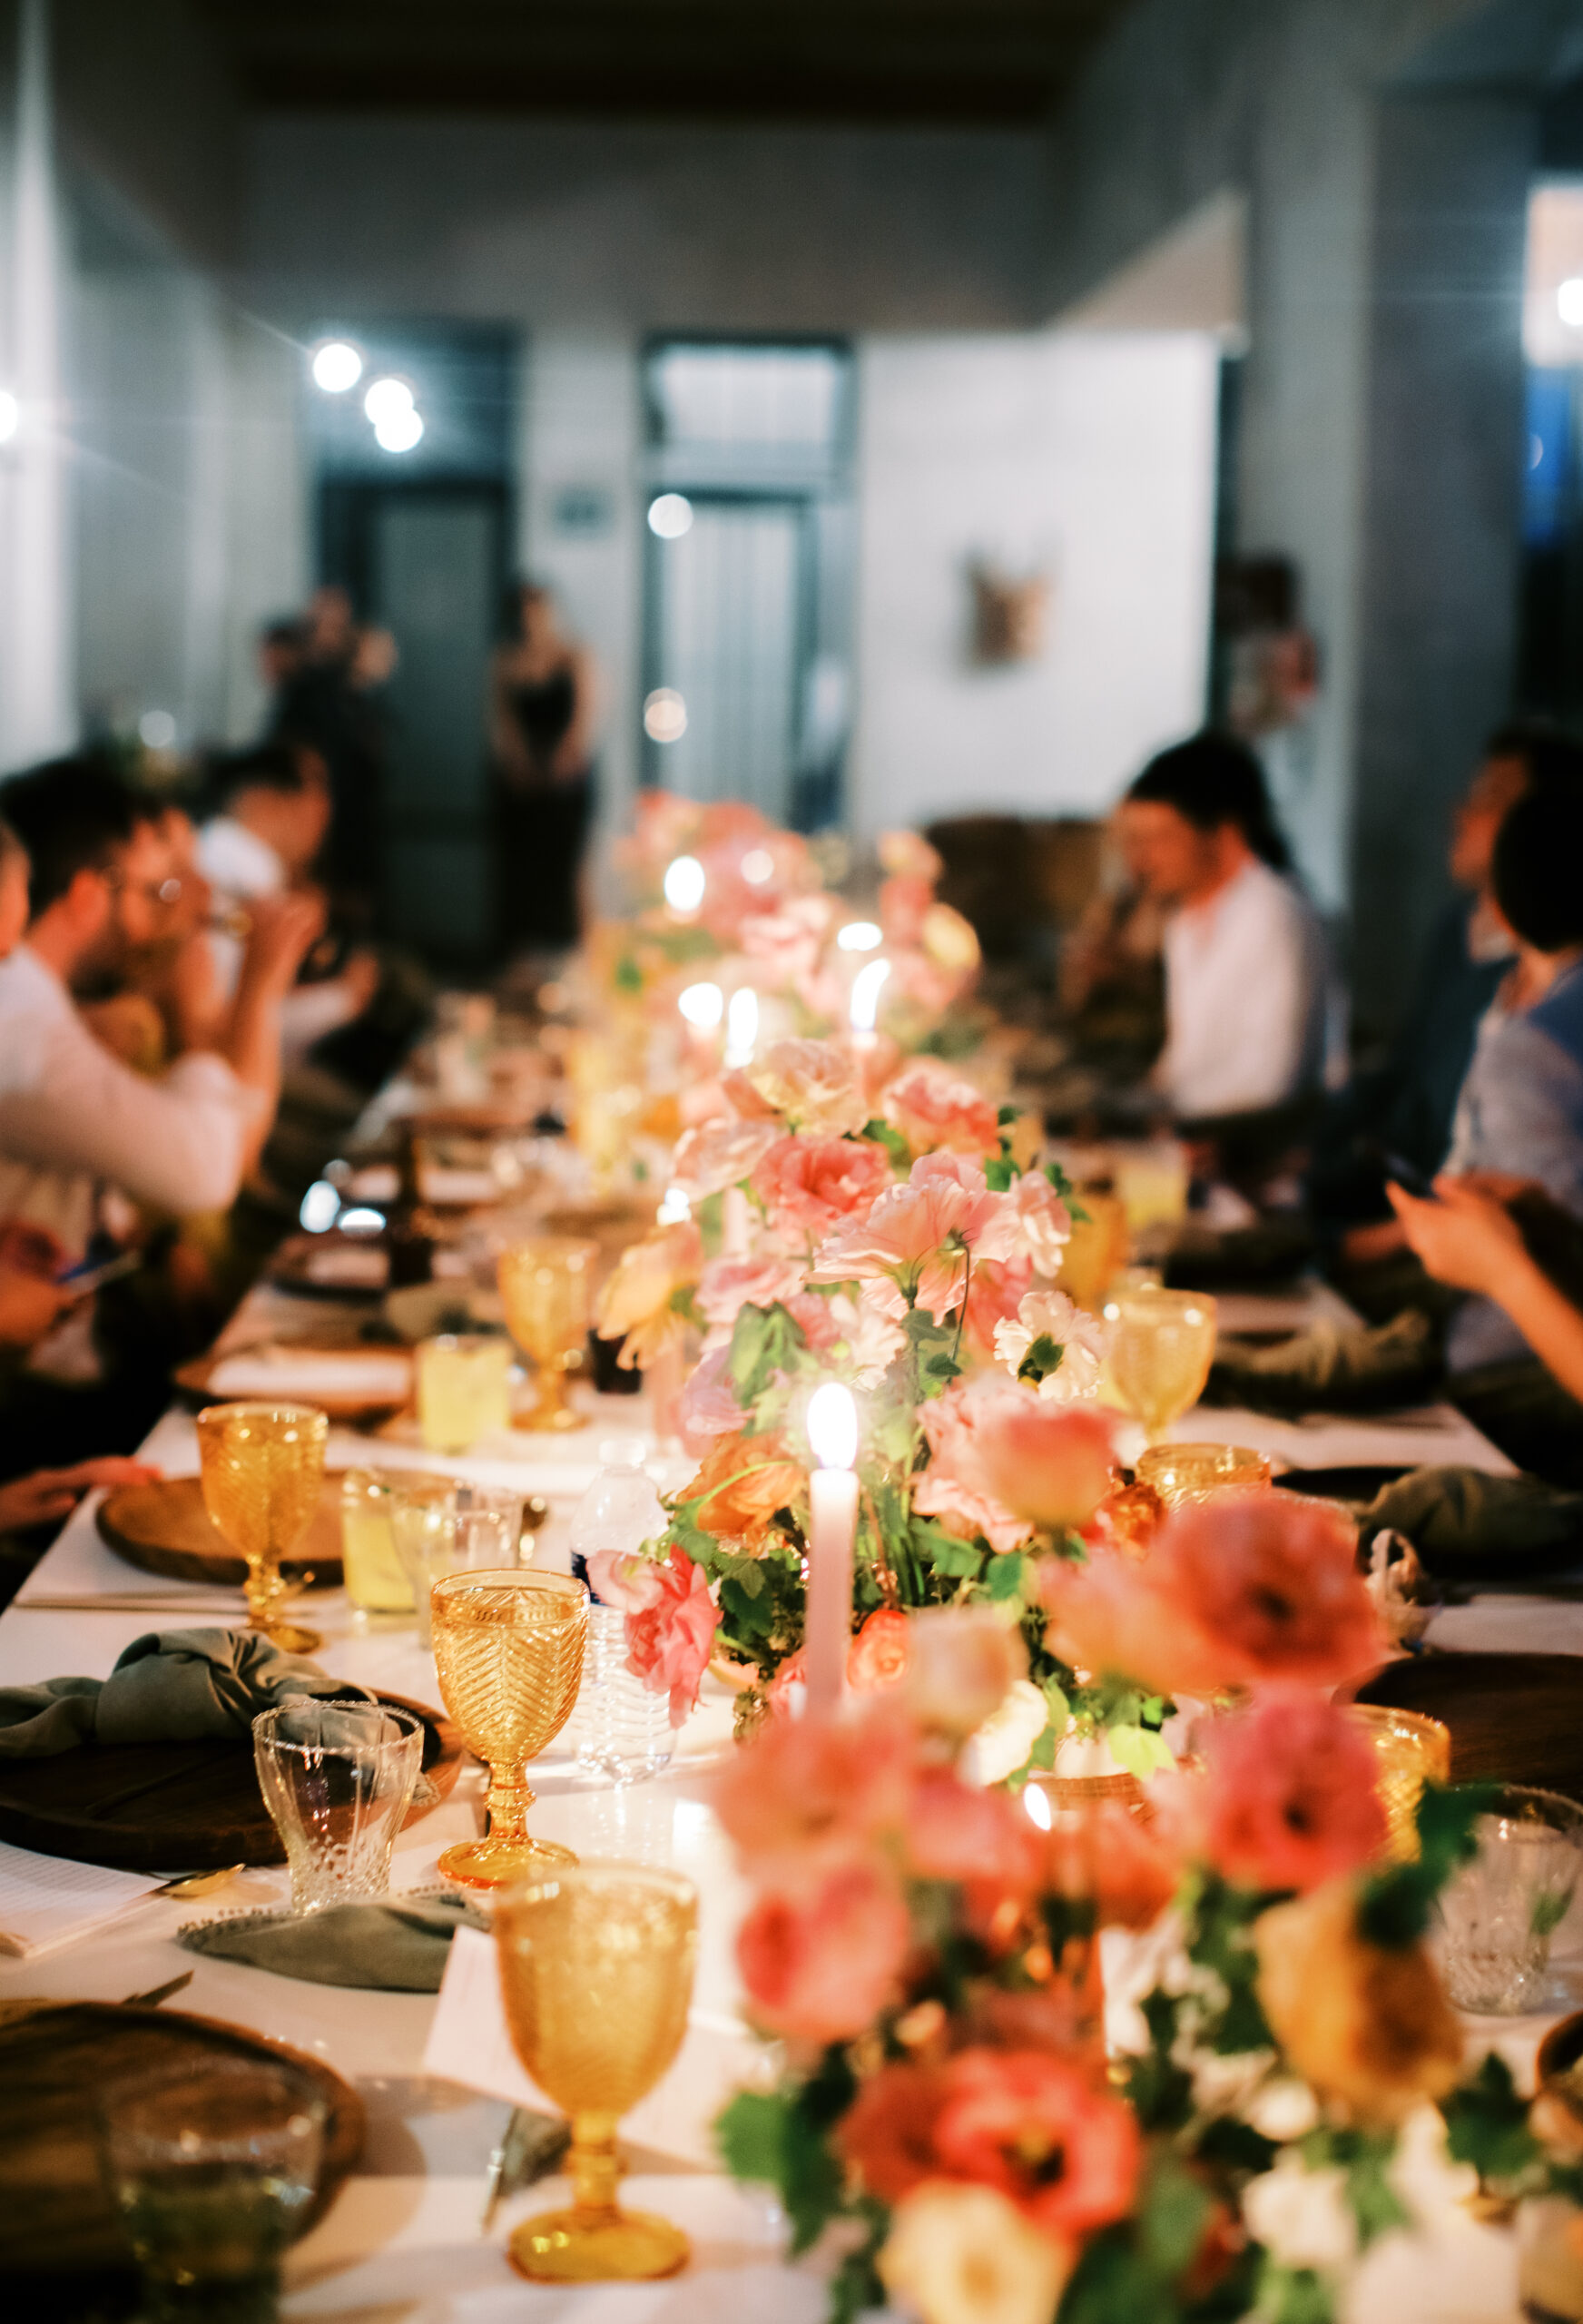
635, 1304
878, 1656
1051, 1463
932, 1108
1127, 1864
742, 1481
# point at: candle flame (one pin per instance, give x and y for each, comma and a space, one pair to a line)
832, 1426
865, 1003
684, 883
742, 1026
702, 1005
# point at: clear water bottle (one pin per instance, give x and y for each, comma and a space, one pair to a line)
620, 1730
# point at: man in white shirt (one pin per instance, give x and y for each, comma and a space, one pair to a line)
79, 1130
1246, 999
276, 814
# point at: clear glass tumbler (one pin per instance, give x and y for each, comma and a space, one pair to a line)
213, 2166
1498, 1914
452, 1528
337, 1779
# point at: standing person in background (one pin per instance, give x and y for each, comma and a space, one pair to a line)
333, 705
543, 723
1247, 990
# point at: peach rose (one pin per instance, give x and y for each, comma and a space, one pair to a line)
917, 1238
955, 1831
951, 1488
809, 1185
813, 1084
635, 1304
932, 1108
1050, 1462
1289, 1800
1128, 1862
877, 1658
821, 1968
962, 2254
950, 941
963, 1659
903, 901
786, 944
806, 1794
720, 1154
1370, 2030
742, 1481
728, 1285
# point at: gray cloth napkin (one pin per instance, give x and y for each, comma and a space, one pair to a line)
397, 1946
168, 1687
1463, 1522
1331, 1368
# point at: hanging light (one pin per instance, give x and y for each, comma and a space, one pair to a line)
336, 366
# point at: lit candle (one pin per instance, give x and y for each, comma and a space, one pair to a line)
864, 1007
742, 1026
832, 1431
684, 884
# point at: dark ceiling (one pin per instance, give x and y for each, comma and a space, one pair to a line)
1007, 62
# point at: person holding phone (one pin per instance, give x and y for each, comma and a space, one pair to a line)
1469, 1235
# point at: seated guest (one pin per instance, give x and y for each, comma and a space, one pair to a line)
275, 812
1471, 1238
74, 1120
1246, 988
1404, 1106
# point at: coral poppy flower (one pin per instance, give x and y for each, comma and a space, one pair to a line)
809, 1793
1290, 1798
821, 1967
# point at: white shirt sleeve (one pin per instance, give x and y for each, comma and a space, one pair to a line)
1239, 977
177, 1143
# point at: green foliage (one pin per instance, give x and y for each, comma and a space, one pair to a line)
1293, 2296
1173, 2215
1395, 1907
1044, 1356
1220, 1941
1365, 2157
1142, 1751
628, 975
780, 2140
944, 1553
763, 1342
1487, 2125
1004, 1577
933, 1349
999, 1172
881, 1133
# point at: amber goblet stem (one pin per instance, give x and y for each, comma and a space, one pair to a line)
594, 2165
510, 1797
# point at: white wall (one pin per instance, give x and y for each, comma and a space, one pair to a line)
1087, 455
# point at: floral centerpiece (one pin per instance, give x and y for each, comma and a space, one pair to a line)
947, 2116
904, 1240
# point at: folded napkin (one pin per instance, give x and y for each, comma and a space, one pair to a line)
168, 1687
378, 1374
1332, 1367
396, 1946
1466, 1525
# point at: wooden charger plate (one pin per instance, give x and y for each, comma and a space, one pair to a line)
171, 1806
164, 1528
1513, 1717
56, 2060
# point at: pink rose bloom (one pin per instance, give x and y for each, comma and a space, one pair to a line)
957, 1832
1044, 1223
995, 1292
718, 1154
669, 1639
952, 1488
816, 1319
787, 943
917, 1238
903, 902
708, 1406
808, 1185
1290, 1798
1050, 1462
809, 1793
813, 1084
1248, 1587
822, 1968
932, 1107
728, 1285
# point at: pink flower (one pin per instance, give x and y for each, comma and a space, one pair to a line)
1044, 1223
918, 1237
957, 1832
708, 1406
952, 1487
809, 1793
1290, 1798
1050, 1462
1036, 2127
670, 1623
816, 1319
821, 1968
728, 1285
903, 901
872, 1339
635, 1304
1245, 1586
963, 1663
994, 1291
719, 1153
786, 944
1051, 1315
808, 1185
813, 1084
932, 1107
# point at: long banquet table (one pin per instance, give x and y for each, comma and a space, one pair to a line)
403, 2239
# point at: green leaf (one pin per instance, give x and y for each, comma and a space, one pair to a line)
881, 1133
1293, 2296
1044, 1356
779, 2139
628, 977
1487, 2124
1140, 1750
1004, 1577
946, 1554
1006, 1115
1394, 1910
763, 1342
999, 1174
1173, 2214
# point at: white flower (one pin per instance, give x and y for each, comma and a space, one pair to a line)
1050, 1314
964, 2254
873, 1340
1002, 1744
1282, 2110
1302, 2217
1044, 1223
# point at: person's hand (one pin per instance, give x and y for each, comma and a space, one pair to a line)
50, 1494
29, 1306
1465, 1237
27, 1249
284, 930
1363, 1246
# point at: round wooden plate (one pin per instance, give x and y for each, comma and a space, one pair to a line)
56, 2060
1514, 1718
164, 1528
171, 1806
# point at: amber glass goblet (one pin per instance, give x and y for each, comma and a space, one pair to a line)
1161, 1346
1184, 1474
1411, 1750
261, 1468
596, 1975
508, 1650
547, 1284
